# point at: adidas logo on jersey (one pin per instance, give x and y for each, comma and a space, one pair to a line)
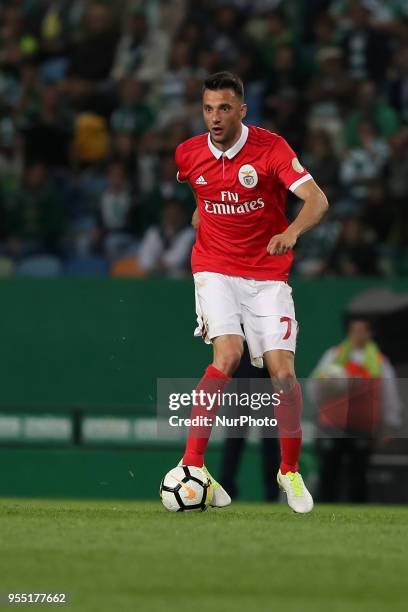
201, 181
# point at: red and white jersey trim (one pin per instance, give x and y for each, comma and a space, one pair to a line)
299, 182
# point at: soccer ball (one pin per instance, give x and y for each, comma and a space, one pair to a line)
185, 488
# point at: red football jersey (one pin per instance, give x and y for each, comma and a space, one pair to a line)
241, 196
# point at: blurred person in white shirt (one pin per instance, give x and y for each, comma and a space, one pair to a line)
355, 389
165, 248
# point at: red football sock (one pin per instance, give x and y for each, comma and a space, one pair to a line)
288, 415
213, 381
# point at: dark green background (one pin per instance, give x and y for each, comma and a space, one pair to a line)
104, 342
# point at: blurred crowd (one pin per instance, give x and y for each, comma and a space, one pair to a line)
95, 96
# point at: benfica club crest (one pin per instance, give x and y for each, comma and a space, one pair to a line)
247, 176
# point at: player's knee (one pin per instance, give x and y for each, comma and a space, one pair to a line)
285, 378
228, 361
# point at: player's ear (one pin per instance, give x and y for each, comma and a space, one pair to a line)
244, 110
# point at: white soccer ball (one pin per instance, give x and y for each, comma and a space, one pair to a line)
186, 488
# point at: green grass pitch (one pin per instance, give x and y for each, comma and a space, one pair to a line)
137, 557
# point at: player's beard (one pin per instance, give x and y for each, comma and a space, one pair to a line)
227, 136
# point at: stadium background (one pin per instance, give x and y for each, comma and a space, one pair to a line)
94, 98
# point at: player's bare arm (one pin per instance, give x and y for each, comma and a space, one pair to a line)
314, 208
195, 220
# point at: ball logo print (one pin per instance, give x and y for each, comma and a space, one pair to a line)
248, 176
190, 492
186, 488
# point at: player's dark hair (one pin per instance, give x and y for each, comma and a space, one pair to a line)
224, 80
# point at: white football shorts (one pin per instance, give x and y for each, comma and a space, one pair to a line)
262, 312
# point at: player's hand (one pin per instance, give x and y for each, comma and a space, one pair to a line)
195, 219
282, 243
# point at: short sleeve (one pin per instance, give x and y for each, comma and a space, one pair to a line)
286, 166
182, 175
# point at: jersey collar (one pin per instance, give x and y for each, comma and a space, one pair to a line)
232, 151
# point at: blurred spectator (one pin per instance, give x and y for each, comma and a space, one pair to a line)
91, 59
225, 33
363, 163
331, 82
329, 90
165, 248
397, 185
375, 216
322, 163
284, 114
147, 161
248, 67
370, 107
275, 33
283, 83
174, 134
324, 36
35, 216
366, 48
354, 253
16, 44
397, 84
355, 389
284, 71
208, 62
192, 107
376, 12
28, 92
134, 115
173, 89
123, 148
115, 212
11, 155
48, 133
313, 247
140, 52
91, 140
165, 188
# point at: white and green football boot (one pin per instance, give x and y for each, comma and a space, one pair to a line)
298, 497
220, 497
